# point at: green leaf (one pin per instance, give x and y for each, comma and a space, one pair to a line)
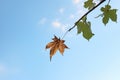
87, 33
84, 19
113, 15
102, 9
85, 29
107, 7
105, 19
108, 13
79, 24
89, 4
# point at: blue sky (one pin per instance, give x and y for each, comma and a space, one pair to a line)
26, 26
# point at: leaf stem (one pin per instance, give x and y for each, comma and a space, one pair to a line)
84, 16
65, 34
109, 2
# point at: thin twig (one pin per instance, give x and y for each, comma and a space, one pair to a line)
65, 34
109, 2
84, 16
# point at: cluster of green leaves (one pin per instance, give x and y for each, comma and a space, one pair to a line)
108, 13
84, 27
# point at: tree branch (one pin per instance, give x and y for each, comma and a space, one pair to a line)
87, 14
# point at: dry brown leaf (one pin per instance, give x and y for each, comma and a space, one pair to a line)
53, 50
49, 45
62, 46
57, 44
55, 38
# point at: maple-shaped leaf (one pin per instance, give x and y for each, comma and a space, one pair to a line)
49, 45
55, 38
62, 46
56, 44
53, 50
84, 27
108, 14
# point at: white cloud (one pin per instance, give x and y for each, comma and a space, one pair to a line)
77, 14
42, 21
97, 1
56, 24
72, 16
4, 70
61, 10
79, 9
76, 1
81, 12
59, 25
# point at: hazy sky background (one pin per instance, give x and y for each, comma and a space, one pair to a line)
26, 26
